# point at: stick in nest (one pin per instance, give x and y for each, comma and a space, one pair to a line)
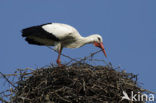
7, 80
78, 61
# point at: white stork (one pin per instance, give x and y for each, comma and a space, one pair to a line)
59, 35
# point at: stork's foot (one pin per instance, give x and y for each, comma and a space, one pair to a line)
59, 63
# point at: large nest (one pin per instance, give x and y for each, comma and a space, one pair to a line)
77, 83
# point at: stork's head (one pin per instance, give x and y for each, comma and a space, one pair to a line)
98, 42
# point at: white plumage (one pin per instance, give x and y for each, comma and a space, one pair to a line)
60, 30
59, 35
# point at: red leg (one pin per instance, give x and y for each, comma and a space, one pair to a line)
58, 59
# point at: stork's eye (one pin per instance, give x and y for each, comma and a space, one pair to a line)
99, 39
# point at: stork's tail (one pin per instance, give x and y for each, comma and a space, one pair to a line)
30, 33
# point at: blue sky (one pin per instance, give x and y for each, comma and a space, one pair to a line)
128, 28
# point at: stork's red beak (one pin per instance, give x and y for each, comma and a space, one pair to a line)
100, 45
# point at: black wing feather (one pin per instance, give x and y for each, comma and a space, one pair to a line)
31, 41
39, 32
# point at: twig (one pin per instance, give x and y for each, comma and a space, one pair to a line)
63, 54
7, 79
4, 91
3, 101
145, 90
91, 55
16, 74
72, 59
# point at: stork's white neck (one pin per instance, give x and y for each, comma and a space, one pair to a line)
82, 41
88, 39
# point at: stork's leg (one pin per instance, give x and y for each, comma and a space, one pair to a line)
58, 59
